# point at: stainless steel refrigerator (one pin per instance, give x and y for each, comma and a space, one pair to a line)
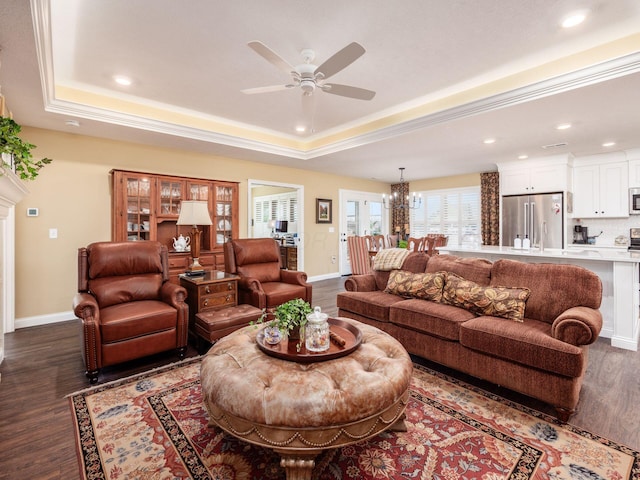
538, 216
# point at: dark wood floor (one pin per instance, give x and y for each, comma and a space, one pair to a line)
42, 365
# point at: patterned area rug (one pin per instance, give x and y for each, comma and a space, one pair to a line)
154, 426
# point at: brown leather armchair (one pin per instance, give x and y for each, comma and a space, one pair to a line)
127, 305
263, 283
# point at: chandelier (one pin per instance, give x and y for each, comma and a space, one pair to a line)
396, 202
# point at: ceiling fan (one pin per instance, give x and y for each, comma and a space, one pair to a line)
310, 77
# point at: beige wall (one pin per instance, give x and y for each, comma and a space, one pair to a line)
456, 181
73, 195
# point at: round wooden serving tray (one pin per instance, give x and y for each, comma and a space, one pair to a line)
286, 349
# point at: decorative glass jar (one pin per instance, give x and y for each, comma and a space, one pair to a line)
317, 331
272, 335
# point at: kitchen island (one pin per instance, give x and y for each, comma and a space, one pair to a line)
618, 271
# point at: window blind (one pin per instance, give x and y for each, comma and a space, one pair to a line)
453, 212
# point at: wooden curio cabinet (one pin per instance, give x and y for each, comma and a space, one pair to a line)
147, 206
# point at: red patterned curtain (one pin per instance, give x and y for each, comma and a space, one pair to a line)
490, 207
400, 216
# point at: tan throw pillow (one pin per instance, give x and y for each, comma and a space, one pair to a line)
427, 286
505, 302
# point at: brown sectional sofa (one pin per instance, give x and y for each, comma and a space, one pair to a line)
544, 357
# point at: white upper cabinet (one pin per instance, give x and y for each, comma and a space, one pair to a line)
633, 156
538, 176
601, 187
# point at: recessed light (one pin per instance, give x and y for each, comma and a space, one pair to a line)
574, 19
563, 126
301, 129
489, 141
608, 144
122, 80
523, 157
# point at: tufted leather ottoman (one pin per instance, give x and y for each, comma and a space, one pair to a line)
215, 324
299, 409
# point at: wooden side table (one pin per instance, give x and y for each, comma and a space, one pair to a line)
214, 290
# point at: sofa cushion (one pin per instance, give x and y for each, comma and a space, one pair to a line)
529, 343
135, 319
390, 259
554, 287
505, 302
126, 288
416, 262
427, 286
433, 318
475, 269
374, 305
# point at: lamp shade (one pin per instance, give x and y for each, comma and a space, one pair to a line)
193, 212
271, 224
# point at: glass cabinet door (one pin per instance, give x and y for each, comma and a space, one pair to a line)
223, 214
138, 208
170, 192
198, 191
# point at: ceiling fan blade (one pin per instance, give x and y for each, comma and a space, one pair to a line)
348, 91
271, 56
272, 88
340, 60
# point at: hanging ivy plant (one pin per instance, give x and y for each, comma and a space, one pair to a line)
18, 152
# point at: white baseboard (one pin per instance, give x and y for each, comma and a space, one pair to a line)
44, 319
326, 276
624, 342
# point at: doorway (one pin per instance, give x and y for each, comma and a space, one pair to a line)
276, 209
361, 213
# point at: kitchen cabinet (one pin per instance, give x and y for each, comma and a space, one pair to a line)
634, 173
601, 190
146, 207
542, 176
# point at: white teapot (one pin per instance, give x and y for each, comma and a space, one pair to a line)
181, 243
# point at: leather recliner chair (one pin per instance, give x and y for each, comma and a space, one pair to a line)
127, 305
263, 283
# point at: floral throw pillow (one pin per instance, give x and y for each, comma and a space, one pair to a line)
427, 286
505, 302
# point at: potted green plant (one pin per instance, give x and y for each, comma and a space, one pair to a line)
289, 318
16, 153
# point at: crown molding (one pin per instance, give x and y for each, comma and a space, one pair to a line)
600, 72
608, 70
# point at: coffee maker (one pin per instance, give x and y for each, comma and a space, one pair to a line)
580, 235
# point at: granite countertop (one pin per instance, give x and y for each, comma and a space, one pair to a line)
587, 252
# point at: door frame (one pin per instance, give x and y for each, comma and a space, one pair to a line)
343, 197
251, 183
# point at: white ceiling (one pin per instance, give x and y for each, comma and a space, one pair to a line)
448, 74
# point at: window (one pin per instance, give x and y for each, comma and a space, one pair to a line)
375, 218
282, 206
453, 212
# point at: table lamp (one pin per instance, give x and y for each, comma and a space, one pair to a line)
272, 225
194, 213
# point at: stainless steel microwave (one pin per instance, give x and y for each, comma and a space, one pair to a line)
634, 201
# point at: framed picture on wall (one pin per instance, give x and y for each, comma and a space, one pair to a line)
324, 210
